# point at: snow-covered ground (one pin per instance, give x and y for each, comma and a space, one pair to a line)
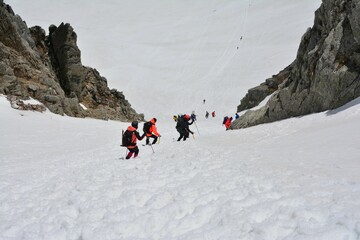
62, 178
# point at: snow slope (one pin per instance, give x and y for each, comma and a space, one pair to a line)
61, 177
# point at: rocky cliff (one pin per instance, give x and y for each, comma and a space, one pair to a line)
49, 69
324, 75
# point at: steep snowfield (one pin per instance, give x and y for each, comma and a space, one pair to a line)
62, 178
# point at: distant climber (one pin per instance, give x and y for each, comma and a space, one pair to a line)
228, 122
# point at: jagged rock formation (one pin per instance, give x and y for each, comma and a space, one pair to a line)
257, 94
49, 69
325, 74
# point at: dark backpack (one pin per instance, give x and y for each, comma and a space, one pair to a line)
180, 123
225, 119
127, 139
147, 127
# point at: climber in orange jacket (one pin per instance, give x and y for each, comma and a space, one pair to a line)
129, 138
228, 122
150, 131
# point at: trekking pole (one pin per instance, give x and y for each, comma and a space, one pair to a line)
197, 128
159, 140
152, 147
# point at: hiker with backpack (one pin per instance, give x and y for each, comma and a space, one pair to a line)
129, 139
182, 127
150, 131
228, 122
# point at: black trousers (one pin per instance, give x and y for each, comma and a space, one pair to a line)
131, 151
183, 134
152, 136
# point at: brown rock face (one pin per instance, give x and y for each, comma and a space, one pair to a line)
49, 69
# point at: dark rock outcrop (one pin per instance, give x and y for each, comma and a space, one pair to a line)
257, 94
49, 69
326, 72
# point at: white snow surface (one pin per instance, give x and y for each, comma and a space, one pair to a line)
62, 178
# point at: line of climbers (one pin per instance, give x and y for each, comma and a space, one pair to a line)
213, 114
131, 135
